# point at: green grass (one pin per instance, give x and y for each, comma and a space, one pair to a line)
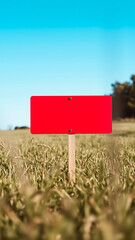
37, 200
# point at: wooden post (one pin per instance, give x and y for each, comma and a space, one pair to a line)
71, 157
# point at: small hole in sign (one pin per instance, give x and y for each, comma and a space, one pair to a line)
70, 130
69, 98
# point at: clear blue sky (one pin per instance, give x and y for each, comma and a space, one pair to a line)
62, 48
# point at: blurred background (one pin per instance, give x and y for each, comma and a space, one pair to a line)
65, 48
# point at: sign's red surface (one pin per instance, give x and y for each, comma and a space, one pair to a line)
71, 114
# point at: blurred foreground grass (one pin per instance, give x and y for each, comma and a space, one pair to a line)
37, 201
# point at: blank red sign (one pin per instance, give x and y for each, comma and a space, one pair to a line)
71, 114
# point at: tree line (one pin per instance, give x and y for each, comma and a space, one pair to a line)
123, 99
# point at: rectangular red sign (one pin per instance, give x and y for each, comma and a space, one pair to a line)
71, 114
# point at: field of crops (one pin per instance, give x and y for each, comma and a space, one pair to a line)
37, 200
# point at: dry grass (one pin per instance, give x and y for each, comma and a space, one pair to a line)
37, 201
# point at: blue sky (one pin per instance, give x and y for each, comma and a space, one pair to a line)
62, 48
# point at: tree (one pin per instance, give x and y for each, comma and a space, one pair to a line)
123, 98
131, 99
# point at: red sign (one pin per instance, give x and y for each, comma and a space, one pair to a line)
71, 114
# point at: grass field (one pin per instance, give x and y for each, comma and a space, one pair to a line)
37, 201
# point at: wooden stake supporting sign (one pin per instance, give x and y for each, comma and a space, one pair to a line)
52, 115
71, 157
